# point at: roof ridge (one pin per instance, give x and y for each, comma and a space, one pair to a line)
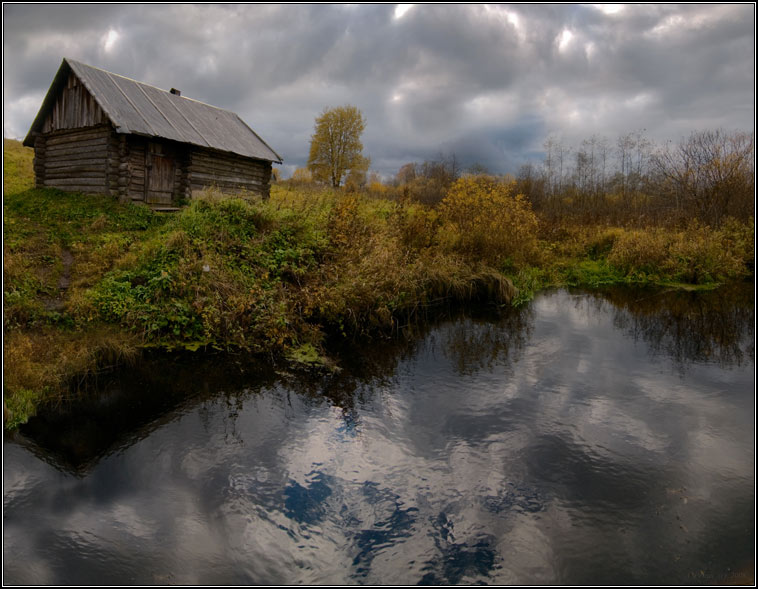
146, 84
139, 108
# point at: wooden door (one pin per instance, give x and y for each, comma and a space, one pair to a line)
161, 171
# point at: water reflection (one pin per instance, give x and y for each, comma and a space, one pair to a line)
392, 523
125, 406
484, 343
689, 327
456, 561
554, 445
305, 504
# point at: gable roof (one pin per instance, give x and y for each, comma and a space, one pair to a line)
141, 109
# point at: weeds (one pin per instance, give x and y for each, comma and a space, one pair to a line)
695, 255
485, 220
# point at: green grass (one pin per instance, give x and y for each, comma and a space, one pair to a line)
18, 174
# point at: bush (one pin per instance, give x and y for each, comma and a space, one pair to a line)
641, 251
345, 225
696, 255
486, 222
416, 225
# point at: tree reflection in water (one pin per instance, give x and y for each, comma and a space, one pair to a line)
688, 327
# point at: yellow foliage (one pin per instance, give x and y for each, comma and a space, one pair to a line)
378, 188
302, 176
487, 221
416, 225
336, 149
696, 255
344, 222
641, 249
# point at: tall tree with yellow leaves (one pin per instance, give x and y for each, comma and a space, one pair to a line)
336, 148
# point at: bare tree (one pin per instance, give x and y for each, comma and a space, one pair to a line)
710, 174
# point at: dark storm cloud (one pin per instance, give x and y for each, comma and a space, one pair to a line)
488, 82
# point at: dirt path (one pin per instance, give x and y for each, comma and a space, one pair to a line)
65, 279
56, 303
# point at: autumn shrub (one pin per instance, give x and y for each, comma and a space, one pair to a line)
640, 251
601, 241
697, 254
377, 189
383, 266
384, 285
425, 190
345, 225
416, 225
485, 221
577, 241
739, 238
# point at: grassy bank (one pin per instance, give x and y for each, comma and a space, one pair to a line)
89, 282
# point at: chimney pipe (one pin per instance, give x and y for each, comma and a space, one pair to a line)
175, 91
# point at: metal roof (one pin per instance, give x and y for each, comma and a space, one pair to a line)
141, 109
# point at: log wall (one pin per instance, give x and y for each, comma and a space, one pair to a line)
228, 172
135, 162
123, 169
96, 159
182, 181
113, 168
74, 160
40, 144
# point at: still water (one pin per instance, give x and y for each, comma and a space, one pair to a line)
590, 438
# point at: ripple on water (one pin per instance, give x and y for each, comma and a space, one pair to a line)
577, 441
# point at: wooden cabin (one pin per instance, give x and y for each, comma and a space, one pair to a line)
103, 133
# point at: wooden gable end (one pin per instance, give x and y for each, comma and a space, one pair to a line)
74, 108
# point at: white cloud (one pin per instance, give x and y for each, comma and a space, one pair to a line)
402, 9
110, 39
564, 39
18, 112
609, 8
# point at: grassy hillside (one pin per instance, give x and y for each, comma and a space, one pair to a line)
89, 282
276, 278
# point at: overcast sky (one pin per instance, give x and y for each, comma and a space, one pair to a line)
487, 82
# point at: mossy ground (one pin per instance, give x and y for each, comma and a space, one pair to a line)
282, 278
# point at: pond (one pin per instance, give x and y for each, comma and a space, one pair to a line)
589, 438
